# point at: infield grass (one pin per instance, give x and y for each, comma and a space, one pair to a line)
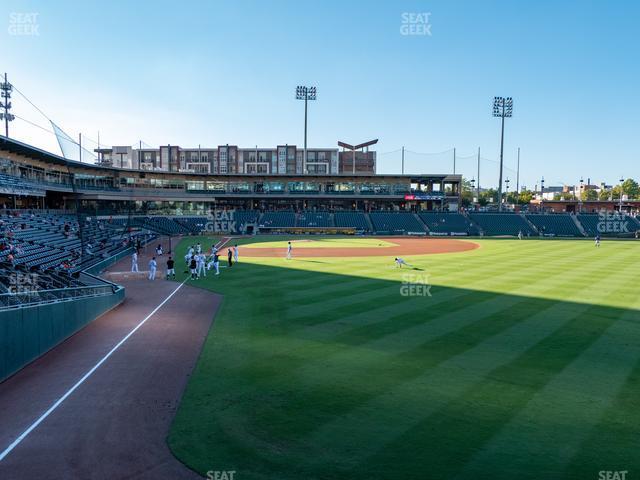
524, 362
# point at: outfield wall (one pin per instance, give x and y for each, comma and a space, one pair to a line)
28, 332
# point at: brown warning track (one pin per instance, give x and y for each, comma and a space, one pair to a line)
115, 424
405, 246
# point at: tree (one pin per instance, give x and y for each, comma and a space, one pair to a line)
525, 197
605, 194
630, 188
467, 193
563, 196
512, 197
589, 194
615, 192
488, 196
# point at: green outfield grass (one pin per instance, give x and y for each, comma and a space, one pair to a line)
524, 362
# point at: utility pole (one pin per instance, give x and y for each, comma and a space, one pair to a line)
80, 146
454, 160
5, 103
518, 174
402, 160
478, 174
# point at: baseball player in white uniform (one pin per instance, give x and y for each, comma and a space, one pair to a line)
200, 262
134, 262
152, 268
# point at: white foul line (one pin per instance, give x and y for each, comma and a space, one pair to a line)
51, 409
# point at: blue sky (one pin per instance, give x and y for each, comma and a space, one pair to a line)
216, 72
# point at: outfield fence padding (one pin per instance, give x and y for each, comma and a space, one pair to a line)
27, 333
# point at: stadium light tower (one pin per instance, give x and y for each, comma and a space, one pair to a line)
306, 94
502, 108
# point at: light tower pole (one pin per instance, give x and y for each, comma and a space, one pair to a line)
5, 103
621, 182
506, 200
502, 108
306, 94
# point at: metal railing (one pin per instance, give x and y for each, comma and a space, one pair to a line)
36, 296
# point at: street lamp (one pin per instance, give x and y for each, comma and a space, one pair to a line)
506, 200
306, 94
502, 108
582, 190
473, 188
621, 182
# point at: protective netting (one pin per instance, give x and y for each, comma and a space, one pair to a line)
443, 163
71, 149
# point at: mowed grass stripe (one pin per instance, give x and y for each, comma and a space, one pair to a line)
261, 397
402, 368
555, 315
466, 423
612, 443
593, 379
400, 410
